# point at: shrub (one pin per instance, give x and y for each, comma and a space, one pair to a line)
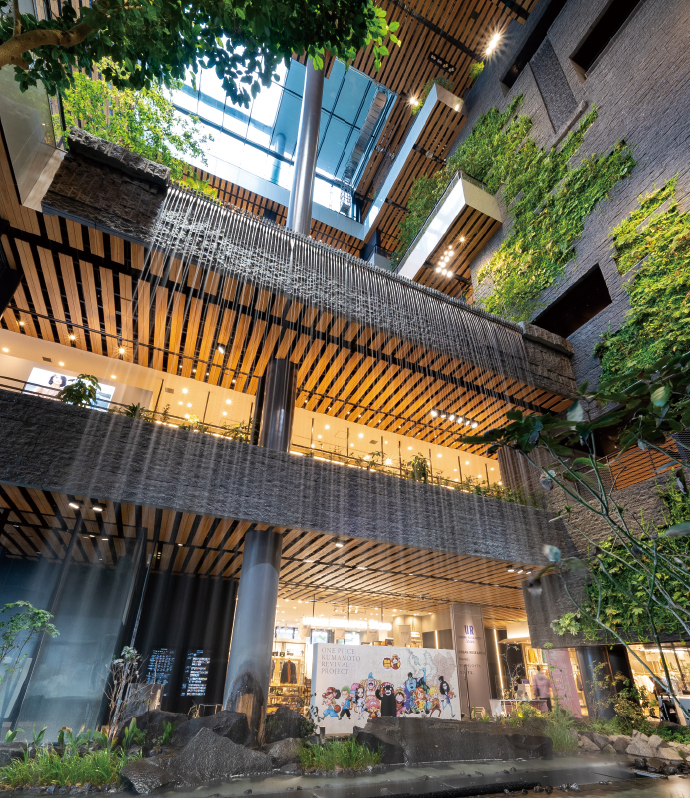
48, 767
339, 754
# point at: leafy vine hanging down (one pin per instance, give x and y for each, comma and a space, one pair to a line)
548, 199
658, 323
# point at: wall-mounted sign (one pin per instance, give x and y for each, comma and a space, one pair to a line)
196, 673
49, 383
160, 667
351, 684
470, 651
343, 623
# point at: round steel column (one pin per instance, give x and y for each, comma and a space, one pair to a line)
301, 196
249, 666
595, 671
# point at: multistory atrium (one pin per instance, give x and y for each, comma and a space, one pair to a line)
343, 383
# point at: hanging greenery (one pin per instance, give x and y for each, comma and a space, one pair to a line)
442, 81
548, 199
658, 323
624, 606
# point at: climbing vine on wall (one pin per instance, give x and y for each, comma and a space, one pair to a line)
656, 240
548, 199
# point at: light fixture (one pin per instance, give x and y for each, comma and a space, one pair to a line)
72, 337
319, 437
451, 252
224, 413
439, 455
434, 414
185, 390
451, 418
76, 505
5, 349
228, 401
491, 469
462, 239
180, 403
113, 377
414, 102
121, 350
521, 571
352, 444
21, 323
361, 434
389, 461
221, 350
179, 544
409, 448
467, 462
97, 508
474, 425
61, 363
510, 569
189, 404
493, 42
327, 426
339, 545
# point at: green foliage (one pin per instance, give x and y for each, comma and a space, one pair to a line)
48, 767
132, 735
38, 737
168, 729
418, 468
658, 323
560, 726
17, 631
441, 80
83, 392
12, 735
476, 70
143, 121
338, 754
549, 201
236, 432
243, 40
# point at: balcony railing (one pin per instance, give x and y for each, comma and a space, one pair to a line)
419, 469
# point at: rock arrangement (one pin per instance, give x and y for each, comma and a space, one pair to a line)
639, 746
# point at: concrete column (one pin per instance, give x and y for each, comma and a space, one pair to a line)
595, 671
249, 666
302, 194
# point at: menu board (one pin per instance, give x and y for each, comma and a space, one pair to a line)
160, 667
196, 673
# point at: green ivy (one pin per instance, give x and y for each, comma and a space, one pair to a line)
442, 81
549, 201
624, 609
658, 323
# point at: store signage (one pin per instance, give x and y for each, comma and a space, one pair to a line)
470, 652
343, 623
351, 684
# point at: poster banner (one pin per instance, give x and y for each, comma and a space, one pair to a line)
562, 679
470, 651
351, 684
43, 382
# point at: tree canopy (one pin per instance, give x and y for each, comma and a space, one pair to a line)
142, 121
243, 40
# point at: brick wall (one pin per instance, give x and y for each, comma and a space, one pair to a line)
641, 88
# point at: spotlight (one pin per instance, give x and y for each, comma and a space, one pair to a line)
97, 508
433, 414
339, 545
76, 505
510, 569
221, 350
121, 350
72, 337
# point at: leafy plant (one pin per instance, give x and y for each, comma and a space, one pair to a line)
168, 729
132, 735
418, 468
338, 754
17, 631
475, 71
560, 726
135, 410
11, 736
38, 738
243, 40
83, 392
440, 80
236, 432
143, 121
651, 405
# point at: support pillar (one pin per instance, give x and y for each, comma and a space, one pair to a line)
595, 671
9, 282
249, 665
301, 196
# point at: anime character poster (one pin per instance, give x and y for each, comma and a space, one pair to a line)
351, 684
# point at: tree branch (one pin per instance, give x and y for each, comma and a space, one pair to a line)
12, 50
17, 18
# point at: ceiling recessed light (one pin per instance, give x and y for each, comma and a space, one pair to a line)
327, 426
361, 434
5, 349
113, 377
228, 401
221, 350
121, 350
76, 505
72, 336
21, 323
97, 508
224, 413
61, 363
510, 569
339, 545
185, 390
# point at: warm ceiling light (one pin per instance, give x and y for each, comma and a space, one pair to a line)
361, 434
451, 252
113, 377
76, 505
462, 239
189, 404
121, 350
474, 425
185, 390
228, 401
339, 545
61, 363
388, 461
409, 448
327, 426
451, 418
493, 42
5, 349
97, 508
438, 269
72, 337
510, 569
221, 350
21, 323
352, 444
319, 437
434, 414
467, 462
414, 102
224, 413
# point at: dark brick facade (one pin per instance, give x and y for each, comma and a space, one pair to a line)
57, 447
641, 89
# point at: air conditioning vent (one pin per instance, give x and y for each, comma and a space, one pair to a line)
170, 390
48, 359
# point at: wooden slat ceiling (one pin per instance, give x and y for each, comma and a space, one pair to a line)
35, 523
425, 27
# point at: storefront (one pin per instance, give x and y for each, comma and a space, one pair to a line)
677, 659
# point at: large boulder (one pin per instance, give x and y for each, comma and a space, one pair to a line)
153, 723
10, 751
414, 740
144, 776
209, 756
640, 746
284, 723
285, 752
586, 745
600, 739
232, 725
669, 754
620, 742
